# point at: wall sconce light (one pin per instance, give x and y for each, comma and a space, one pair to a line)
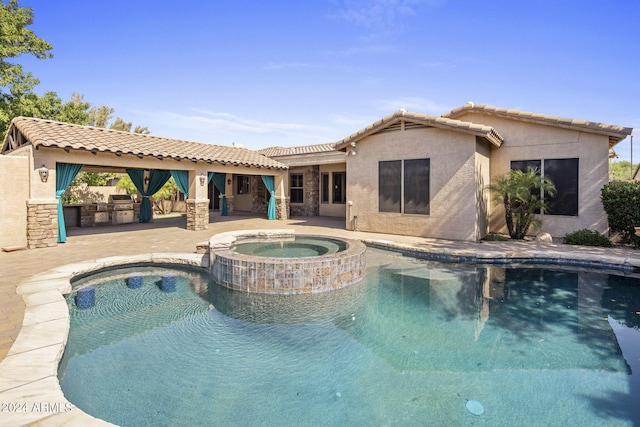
202, 178
146, 180
352, 150
229, 181
44, 173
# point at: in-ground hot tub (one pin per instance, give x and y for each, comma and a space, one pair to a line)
278, 262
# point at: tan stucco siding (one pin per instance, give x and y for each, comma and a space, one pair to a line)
452, 183
330, 208
483, 178
14, 191
529, 141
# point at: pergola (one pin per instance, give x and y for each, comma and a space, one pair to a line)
55, 152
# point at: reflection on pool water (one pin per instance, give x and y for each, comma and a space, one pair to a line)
294, 247
409, 345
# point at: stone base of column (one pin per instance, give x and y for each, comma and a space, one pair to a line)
197, 214
42, 224
282, 208
229, 204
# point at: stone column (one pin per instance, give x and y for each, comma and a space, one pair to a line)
197, 214
229, 204
282, 207
42, 223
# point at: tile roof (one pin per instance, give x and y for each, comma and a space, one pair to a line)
295, 151
48, 133
615, 133
487, 132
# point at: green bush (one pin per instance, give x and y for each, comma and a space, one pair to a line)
586, 237
621, 202
493, 237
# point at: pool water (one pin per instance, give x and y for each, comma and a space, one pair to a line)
410, 345
296, 247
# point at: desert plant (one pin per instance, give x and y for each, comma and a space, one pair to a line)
521, 194
586, 237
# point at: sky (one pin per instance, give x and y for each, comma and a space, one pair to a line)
290, 73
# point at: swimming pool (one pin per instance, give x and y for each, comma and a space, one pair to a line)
409, 345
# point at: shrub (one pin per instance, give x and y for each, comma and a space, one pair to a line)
586, 237
621, 202
493, 237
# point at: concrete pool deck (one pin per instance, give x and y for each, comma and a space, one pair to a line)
40, 274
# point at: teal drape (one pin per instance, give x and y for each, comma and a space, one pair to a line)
269, 183
182, 179
157, 179
218, 181
65, 174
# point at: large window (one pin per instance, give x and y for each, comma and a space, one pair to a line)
296, 189
339, 184
403, 186
564, 174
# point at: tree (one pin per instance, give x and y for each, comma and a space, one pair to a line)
521, 194
119, 124
99, 117
620, 171
17, 40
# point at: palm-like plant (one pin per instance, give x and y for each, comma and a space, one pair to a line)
521, 194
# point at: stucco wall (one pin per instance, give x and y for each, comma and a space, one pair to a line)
14, 193
483, 196
528, 141
453, 190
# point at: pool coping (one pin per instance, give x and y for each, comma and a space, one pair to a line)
28, 374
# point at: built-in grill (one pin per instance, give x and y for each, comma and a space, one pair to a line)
122, 208
121, 202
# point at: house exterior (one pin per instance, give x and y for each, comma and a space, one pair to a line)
407, 173
421, 175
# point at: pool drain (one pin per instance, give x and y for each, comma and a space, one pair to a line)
474, 407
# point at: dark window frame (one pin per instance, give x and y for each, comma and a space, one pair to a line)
296, 188
566, 178
404, 186
243, 184
324, 188
338, 191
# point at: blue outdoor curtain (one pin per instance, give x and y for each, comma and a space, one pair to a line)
182, 179
218, 181
65, 174
157, 179
269, 183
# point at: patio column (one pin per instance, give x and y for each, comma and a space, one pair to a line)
198, 201
282, 201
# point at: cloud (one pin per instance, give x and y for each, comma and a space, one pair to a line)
224, 127
411, 103
282, 65
376, 14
